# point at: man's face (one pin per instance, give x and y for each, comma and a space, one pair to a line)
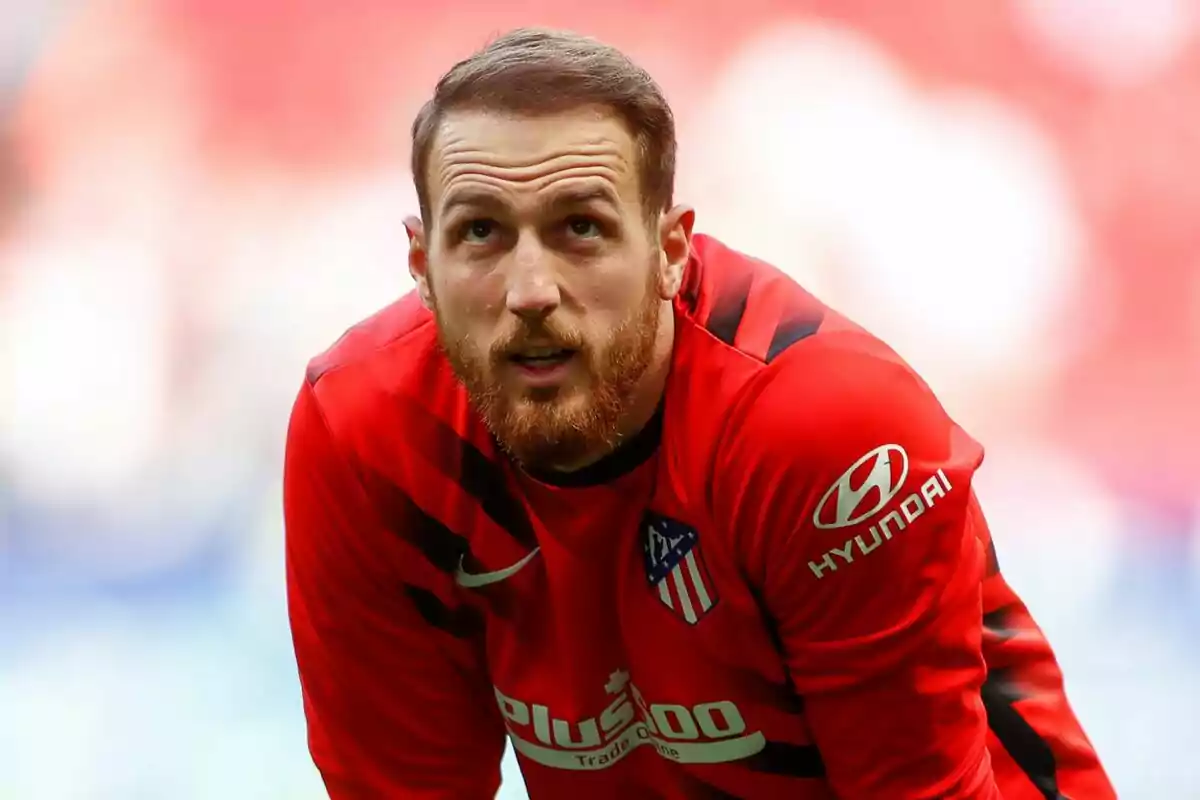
544, 275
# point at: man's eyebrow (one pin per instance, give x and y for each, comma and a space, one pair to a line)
471, 198
569, 198
581, 197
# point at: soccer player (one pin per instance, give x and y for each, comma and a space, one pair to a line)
637, 501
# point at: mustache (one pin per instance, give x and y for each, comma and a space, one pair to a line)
541, 334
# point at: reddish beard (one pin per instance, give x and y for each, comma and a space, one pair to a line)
552, 428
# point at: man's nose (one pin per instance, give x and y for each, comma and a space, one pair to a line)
533, 282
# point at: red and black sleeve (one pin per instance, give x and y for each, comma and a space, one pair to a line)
849, 488
395, 693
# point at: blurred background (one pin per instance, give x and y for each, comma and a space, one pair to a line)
198, 195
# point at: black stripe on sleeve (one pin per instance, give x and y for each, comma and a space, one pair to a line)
1026, 746
791, 331
484, 479
792, 760
998, 623
459, 460
993, 561
441, 546
728, 309
699, 789
463, 622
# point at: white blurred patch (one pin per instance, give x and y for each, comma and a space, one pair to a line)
24, 27
300, 264
121, 702
293, 268
62, 718
940, 222
1110, 41
1056, 528
98, 408
84, 325
512, 786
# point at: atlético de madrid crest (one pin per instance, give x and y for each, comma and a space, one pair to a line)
675, 568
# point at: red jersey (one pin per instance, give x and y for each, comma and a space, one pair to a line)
783, 587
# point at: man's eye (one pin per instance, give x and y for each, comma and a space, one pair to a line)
583, 227
478, 230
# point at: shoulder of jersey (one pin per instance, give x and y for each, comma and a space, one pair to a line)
746, 325
392, 355
744, 320
406, 323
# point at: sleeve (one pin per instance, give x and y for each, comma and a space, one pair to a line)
395, 707
850, 491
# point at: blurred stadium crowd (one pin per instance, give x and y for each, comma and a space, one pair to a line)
198, 195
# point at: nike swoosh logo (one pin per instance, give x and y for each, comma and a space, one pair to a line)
470, 581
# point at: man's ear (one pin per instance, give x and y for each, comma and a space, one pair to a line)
675, 245
418, 258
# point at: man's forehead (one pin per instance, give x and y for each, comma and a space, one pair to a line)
487, 146
516, 136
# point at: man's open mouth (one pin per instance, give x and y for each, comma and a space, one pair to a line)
542, 358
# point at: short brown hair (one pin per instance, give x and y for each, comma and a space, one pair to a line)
539, 71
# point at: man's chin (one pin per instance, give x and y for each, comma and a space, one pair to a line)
559, 433
548, 400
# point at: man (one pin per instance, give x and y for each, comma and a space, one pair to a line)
638, 501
